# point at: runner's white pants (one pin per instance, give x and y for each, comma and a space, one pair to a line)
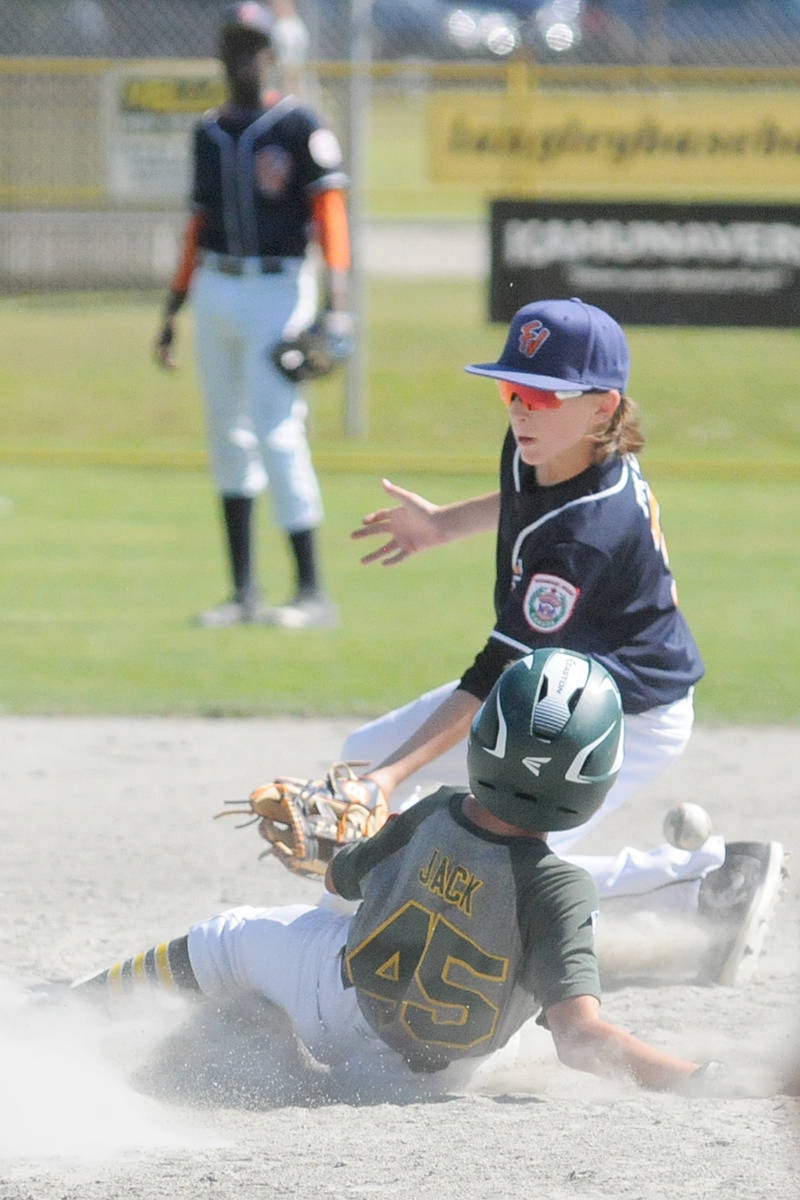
653, 740
291, 955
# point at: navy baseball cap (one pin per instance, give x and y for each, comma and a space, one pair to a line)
562, 345
248, 16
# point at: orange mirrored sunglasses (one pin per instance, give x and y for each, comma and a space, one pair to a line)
533, 398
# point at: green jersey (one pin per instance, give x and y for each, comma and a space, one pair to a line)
464, 934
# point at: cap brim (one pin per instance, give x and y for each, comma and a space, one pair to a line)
548, 383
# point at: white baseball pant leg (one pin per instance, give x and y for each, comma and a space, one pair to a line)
291, 955
653, 740
373, 742
255, 417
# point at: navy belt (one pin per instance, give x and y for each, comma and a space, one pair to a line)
232, 264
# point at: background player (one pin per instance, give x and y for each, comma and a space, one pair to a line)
266, 171
291, 41
468, 924
580, 561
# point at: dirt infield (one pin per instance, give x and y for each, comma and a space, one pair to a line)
108, 846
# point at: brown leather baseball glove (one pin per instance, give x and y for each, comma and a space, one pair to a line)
306, 821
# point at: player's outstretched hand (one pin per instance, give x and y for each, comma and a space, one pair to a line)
404, 530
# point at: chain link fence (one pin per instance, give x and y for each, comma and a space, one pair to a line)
666, 32
98, 97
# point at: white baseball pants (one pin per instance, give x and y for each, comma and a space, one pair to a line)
255, 417
291, 955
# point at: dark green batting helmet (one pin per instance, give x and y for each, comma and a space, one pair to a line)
547, 744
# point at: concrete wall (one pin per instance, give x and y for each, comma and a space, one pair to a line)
65, 250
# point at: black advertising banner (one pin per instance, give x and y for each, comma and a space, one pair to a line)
650, 264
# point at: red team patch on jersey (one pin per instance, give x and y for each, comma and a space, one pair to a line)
272, 168
549, 602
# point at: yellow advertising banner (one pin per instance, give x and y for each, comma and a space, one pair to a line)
581, 144
150, 112
107, 132
169, 94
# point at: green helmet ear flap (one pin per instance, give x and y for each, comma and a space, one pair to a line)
547, 744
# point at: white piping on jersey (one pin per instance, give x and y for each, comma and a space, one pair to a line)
238, 214
329, 183
226, 155
619, 486
615, 488
507, 641
244, 164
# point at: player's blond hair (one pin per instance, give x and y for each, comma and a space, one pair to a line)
622, 434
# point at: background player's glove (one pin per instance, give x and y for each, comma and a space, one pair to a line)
315, 351
306, 821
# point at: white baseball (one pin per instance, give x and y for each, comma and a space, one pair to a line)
687, 826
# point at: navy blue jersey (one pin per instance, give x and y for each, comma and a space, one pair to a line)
462, 934
254, 175
583, 565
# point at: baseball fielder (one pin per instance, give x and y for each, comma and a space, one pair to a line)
581, 559
267, 171
290, 39
467, 926
581, 562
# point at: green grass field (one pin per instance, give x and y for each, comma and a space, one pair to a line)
110, 536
